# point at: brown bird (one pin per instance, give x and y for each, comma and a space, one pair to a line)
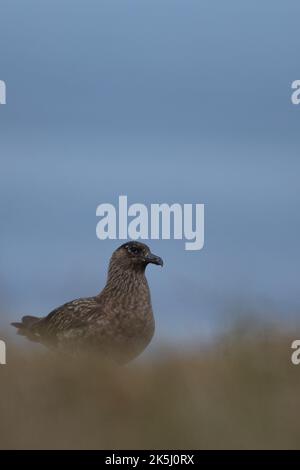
118, 323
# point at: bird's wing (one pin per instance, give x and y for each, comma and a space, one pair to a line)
68, 320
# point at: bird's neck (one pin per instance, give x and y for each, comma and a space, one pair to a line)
122, 281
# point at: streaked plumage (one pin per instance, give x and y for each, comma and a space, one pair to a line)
117, 323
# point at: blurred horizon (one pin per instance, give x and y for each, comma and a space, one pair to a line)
170, 101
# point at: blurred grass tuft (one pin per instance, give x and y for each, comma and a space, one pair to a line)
241, 391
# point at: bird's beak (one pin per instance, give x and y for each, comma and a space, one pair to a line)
151, 258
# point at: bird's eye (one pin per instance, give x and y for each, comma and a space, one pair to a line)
134, 250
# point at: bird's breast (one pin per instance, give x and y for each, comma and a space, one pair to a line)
131, 323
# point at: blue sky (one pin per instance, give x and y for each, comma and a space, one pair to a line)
165, 101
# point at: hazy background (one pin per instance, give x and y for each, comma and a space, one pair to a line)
165, 101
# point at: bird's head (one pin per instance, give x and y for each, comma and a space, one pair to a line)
135, 254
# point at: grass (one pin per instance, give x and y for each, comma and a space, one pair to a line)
241, 391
